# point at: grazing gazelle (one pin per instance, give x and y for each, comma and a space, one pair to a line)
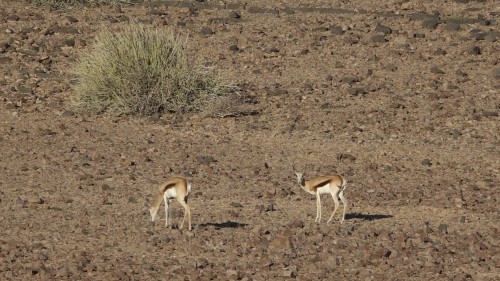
176, 187
333, 185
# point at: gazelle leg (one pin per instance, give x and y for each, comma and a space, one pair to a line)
166, 209
344, 202
318, 211
336, 201
187, 212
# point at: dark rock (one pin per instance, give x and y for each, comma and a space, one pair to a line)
207, 31
390, 67
496, 72
455, 133
430, 23
71, 19
13, 17
297, 224
436, 70
426, 162
337, 30
236, 205
487, 113
205, 159
234, 14
68, 113
234, 48
439, 52
282, 242
378, 38
68, 42
459, 72
443, 228
5, 60
349, 79
475, 50
383, 29
452, 26
356, 91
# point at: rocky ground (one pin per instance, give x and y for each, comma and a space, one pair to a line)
402, 98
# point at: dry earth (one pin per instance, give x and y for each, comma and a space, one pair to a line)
401, 97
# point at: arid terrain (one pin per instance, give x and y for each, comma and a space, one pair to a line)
400, 97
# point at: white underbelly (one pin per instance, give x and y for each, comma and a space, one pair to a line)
325, 189
171, 193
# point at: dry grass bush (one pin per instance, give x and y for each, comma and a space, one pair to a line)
141, 70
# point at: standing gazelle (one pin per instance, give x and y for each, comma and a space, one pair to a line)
176, 187
333, 185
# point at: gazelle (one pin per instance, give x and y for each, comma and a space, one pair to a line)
175, 187
333, 185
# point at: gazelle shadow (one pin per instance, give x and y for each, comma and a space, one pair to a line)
366, 217
227, 224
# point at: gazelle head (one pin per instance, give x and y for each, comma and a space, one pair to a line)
152, 213
300, 176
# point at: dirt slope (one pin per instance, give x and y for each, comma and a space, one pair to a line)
402, 98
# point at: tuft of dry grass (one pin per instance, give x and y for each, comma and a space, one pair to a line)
139, 70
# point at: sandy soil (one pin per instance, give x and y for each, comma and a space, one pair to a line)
402, 98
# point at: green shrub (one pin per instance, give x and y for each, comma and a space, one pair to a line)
140, 70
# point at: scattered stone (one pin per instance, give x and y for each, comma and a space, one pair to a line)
426, 162
496, 72
206, 159
443, 228
35, 200
390, 67
436, 70
71, 19
290, 272
475, 50
439, 52
68, 42
207, 31
234, 14
487, 113
282, 242
459, 72
378, 38
356, 91
235, 205
297, 224
349, 79
68, 113
234, 48
13, 17
383, 29
337, 30
452, 26
430, 23
132, 200
5, 60
455, 133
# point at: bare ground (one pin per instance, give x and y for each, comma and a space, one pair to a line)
402, 98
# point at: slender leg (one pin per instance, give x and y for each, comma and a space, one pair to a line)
344, 202
187, 212
166, 208
336, 201
319, 206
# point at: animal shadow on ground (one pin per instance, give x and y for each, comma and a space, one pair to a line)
227, 224
366, 217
